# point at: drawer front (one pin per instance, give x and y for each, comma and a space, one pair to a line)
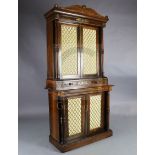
83, 83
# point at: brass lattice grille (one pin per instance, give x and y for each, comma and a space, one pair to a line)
95, 111
74, 116
89, 51
69, 50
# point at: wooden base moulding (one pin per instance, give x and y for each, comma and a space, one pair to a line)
82, 142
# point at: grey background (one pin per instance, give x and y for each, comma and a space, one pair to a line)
120, 67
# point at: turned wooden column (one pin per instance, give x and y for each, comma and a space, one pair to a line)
60, 108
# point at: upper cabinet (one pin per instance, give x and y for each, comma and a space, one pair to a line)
75, 42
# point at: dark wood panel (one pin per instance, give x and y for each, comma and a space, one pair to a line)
50, 52
56, 49
107, 109
77, 11
53, 115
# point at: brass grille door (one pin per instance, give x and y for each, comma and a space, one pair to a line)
75, 116
95, 112
89, 51
69, 54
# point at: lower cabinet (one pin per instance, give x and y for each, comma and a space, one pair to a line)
78, 118
84, 115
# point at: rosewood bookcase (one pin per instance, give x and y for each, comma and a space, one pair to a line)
77, 88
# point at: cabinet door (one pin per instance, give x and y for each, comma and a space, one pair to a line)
75, 116
79, 51
84, 115
96, 112
90, 52
69, 56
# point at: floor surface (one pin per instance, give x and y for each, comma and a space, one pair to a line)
33, 138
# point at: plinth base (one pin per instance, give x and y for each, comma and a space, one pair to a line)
72, 145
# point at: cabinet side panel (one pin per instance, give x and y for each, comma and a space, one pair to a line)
107, 109
53, 116
101, 52
50, 55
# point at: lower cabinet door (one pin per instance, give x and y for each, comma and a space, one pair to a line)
96, 112
75, 116
84, 115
